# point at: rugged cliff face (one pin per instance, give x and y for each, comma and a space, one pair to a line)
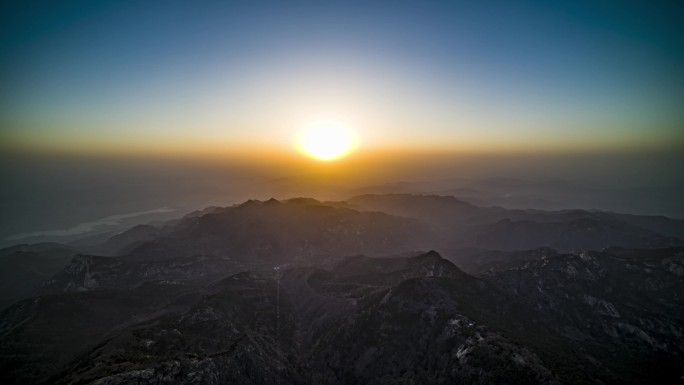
406, 319
559, 318
624, 307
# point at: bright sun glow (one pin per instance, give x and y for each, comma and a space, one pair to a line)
327, 141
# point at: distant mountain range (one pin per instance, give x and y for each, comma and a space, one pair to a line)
463, 225
303, 291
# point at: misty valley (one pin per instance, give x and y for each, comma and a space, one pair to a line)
375, 289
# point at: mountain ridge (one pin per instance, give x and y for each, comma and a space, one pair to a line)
303, 291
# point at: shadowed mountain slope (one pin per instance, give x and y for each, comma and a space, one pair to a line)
284, 292
24, 269
543, 318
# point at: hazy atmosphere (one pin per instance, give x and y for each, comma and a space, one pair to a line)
60, 191
117, 107
341, 192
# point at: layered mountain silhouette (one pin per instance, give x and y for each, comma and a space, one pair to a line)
303, 291
493, 228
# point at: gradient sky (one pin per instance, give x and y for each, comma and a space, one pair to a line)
192, 76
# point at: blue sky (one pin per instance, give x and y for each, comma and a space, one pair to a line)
521, 74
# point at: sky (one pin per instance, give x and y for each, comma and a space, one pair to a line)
230, 78
117, 107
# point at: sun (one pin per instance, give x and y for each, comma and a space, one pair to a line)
327, 141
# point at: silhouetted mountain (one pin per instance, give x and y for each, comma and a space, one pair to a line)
545, 194
293, 292
252, 235
282, 232
658, 224
463, 225
305, 229
433, 209
587, 233
126, 241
